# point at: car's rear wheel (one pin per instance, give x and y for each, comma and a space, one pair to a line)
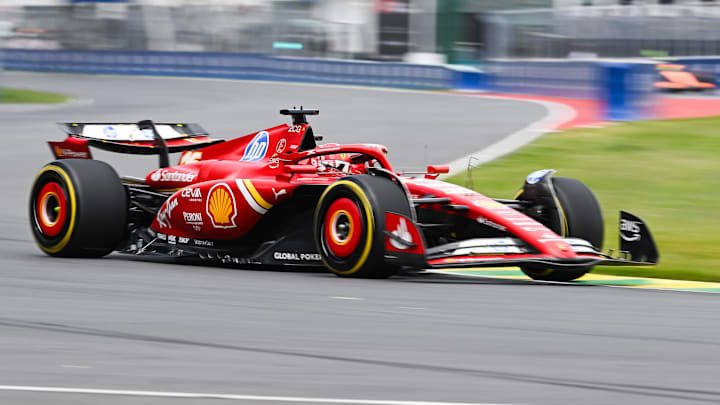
349, 224
582, 218
78, 208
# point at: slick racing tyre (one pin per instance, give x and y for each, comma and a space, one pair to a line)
349, 224
78, 208
582, 218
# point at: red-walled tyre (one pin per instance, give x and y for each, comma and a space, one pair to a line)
350, 221
78, 208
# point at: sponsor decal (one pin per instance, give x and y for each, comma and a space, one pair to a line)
165, 213
274, 161
329, 147
64, 153
536, 176
193, 218
172, 239
162, 236
192, 194
110, 132
487, 242
189, 157
221, 207
174, 176
202, 242
147, 133
401, 232
293, 147
487, 250
123, 132
326, 165
257, 148
295, 128
278, 193
491, 224
280, 147
633, 227
293, 256
183, 240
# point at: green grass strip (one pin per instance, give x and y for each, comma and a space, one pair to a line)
667, 172
627, 281
19, 96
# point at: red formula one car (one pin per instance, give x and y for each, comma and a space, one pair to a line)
277, 198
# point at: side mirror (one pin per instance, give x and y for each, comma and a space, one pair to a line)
434, 171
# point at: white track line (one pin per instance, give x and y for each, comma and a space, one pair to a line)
557, 114
195, 395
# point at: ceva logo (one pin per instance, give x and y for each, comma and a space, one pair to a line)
257, 148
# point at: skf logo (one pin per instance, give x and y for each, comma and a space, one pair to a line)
221, 207
630, 226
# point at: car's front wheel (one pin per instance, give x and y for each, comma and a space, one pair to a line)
581, 218
349, 224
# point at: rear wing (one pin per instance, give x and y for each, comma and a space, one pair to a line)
141, 138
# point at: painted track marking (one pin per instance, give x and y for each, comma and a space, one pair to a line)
514, 273
197, 395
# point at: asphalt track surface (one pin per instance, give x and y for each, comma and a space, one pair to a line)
122, 323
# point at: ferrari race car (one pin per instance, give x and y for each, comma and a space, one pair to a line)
277, 198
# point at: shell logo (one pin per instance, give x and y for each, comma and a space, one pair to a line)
221, 207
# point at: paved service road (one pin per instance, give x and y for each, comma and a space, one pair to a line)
125, 324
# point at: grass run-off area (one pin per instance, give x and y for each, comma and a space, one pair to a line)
666, 172
14, 96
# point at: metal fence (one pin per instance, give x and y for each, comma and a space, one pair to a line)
288, 27
656, 30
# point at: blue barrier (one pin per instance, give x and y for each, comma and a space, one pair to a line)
242, 66
570, 79
626, 90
